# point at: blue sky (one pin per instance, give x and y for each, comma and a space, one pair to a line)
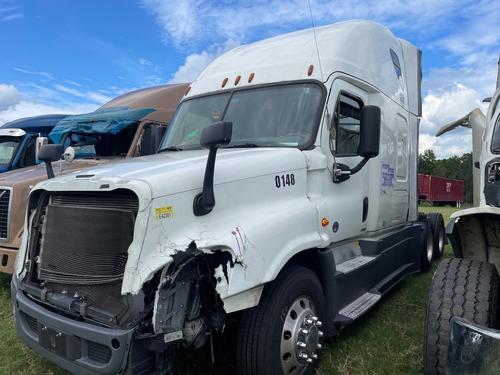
61, 56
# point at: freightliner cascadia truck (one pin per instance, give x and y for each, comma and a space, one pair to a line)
462, 333
283, 197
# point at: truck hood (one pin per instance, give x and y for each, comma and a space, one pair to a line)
178, 171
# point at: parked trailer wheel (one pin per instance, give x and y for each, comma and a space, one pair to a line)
427, 247
282, 335
463, 288
437, 225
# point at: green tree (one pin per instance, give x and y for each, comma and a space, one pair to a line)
426, 162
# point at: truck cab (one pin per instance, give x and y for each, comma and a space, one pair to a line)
283, 199
462, 323
18, 140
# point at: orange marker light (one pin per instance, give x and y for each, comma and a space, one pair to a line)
237, 80
250, 77
325, 222
310, 70
187, 90
224, 82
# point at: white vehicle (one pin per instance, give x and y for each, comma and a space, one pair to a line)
301, 217
463, 308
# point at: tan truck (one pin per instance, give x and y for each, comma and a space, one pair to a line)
127, 126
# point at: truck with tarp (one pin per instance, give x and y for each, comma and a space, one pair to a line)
128, 126
281, 206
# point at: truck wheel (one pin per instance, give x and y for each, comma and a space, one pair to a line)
437, 225
282, 335
460, 287
426, 247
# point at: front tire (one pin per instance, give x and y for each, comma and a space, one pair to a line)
282, 334
460, 287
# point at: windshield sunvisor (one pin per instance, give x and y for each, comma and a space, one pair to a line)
103, 121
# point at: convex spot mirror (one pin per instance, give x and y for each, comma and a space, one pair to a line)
69, 154
369, 136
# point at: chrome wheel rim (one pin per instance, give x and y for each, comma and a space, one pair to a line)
430, 248
300, 337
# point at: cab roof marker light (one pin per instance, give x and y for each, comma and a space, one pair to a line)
187, 90
224, 82
237, 80
250, 77
310, 70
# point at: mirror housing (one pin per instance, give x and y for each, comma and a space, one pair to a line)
212, 137
369, 132
69, 154
49, 153
369, 143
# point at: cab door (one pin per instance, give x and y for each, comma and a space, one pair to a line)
346, 204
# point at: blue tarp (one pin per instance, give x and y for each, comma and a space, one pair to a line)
103, 121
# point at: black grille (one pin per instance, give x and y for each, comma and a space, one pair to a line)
98, 353
4, 213
32, 323
120, 201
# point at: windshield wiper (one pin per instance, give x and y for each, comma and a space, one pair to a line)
171, 148
243, 145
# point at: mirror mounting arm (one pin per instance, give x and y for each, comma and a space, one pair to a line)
204, 202
342, 172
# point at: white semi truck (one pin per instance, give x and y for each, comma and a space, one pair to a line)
461, 329
301, 214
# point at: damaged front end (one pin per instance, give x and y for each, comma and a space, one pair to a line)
76, 258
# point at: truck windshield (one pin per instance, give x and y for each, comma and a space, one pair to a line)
8, 146
272, 116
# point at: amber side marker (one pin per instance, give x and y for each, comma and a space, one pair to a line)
325, 222
250, 77
237, 80
224, 82
310, 70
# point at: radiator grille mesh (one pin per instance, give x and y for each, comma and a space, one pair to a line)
4, 213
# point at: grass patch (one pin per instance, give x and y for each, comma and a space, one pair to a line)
386, 340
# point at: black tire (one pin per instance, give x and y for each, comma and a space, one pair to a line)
437, 224
260, 329
426, 247
463, 288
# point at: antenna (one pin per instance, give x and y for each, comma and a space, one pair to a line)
315, 40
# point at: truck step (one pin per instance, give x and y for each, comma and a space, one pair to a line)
354, 263
356, 308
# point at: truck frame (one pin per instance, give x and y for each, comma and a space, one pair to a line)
461, 328
256, 212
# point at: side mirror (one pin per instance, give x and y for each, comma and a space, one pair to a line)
212, 137
48, 154
40, 142
369, 143
369, 136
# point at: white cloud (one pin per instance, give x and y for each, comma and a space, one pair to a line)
145, 62
11, 17
96, 97
28, 109
43, 74
9, 96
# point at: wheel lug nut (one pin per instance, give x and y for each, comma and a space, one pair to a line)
309, 360
319, 324
301, 344
320, 333
304, 331
309, 322
314, 356
314, 319
303, 355
319, 346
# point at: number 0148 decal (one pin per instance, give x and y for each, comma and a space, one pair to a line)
284, 180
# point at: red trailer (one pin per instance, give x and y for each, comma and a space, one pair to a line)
440, 190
